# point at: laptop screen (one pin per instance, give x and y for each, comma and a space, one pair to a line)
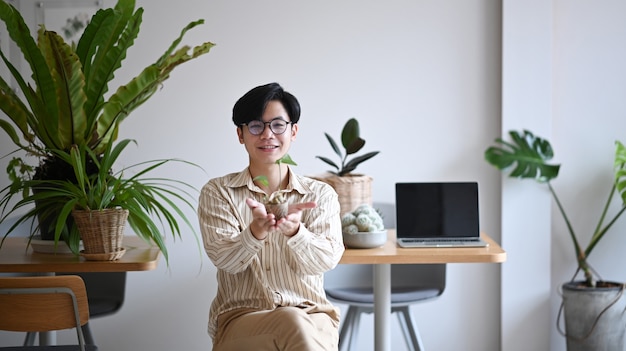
431, 210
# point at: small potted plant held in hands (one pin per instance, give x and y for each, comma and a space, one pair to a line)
353, 189
276, 202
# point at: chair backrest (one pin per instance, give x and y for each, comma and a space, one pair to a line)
403, 276
43, 303
105, 291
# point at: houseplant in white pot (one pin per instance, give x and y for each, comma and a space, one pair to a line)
589, 304
363, 228
66, 101
353, 189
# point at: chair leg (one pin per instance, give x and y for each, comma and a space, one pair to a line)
405, 329
87, 334
354, 329
29, 340
411, 334
346, 327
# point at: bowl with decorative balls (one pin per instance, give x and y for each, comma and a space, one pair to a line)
363, 228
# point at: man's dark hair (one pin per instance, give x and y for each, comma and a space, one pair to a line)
250, 107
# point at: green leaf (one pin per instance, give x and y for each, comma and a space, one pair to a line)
262, 179
177, 41
620, 172
350, 166
350, 134
69, 82
286, 160
122, 29
527, 157
15, 109
356, 145
20, 34
334, 145
328, 161
8, 128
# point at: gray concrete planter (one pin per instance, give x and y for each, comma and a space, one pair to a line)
594, 317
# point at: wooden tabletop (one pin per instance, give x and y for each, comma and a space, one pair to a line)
15, 257
392, 253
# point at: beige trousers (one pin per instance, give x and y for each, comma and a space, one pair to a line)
282, 329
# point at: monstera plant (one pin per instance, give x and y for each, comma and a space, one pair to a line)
65, 103
526, 156
594, 315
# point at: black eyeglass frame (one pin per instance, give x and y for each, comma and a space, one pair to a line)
268, 124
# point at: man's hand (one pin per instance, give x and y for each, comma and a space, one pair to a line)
263, 222
290, 224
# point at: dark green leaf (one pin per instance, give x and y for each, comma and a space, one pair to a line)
334, 145
527, 155
350, 132
360, 159
328, 161
354, 147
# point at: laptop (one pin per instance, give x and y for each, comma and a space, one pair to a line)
438, 214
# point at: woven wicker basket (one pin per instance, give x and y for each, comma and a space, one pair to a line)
102, 232
353, 190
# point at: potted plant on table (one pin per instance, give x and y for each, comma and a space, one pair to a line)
67, 105
353, 189
101, 203
363, 228
276, 202
589, 303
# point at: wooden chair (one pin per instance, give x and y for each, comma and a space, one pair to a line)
105, 293
44, 303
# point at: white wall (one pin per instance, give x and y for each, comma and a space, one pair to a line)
424, 79
589, 107
562, 78
526, 103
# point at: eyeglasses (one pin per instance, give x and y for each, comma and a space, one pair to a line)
277, 126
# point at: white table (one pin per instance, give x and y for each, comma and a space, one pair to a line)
383, 257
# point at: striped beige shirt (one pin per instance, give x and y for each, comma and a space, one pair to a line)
276, 271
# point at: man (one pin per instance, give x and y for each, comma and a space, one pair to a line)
270, 272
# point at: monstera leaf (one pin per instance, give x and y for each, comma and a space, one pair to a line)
526, 155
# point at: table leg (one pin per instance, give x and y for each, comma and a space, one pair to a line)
47, 338
382, 307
